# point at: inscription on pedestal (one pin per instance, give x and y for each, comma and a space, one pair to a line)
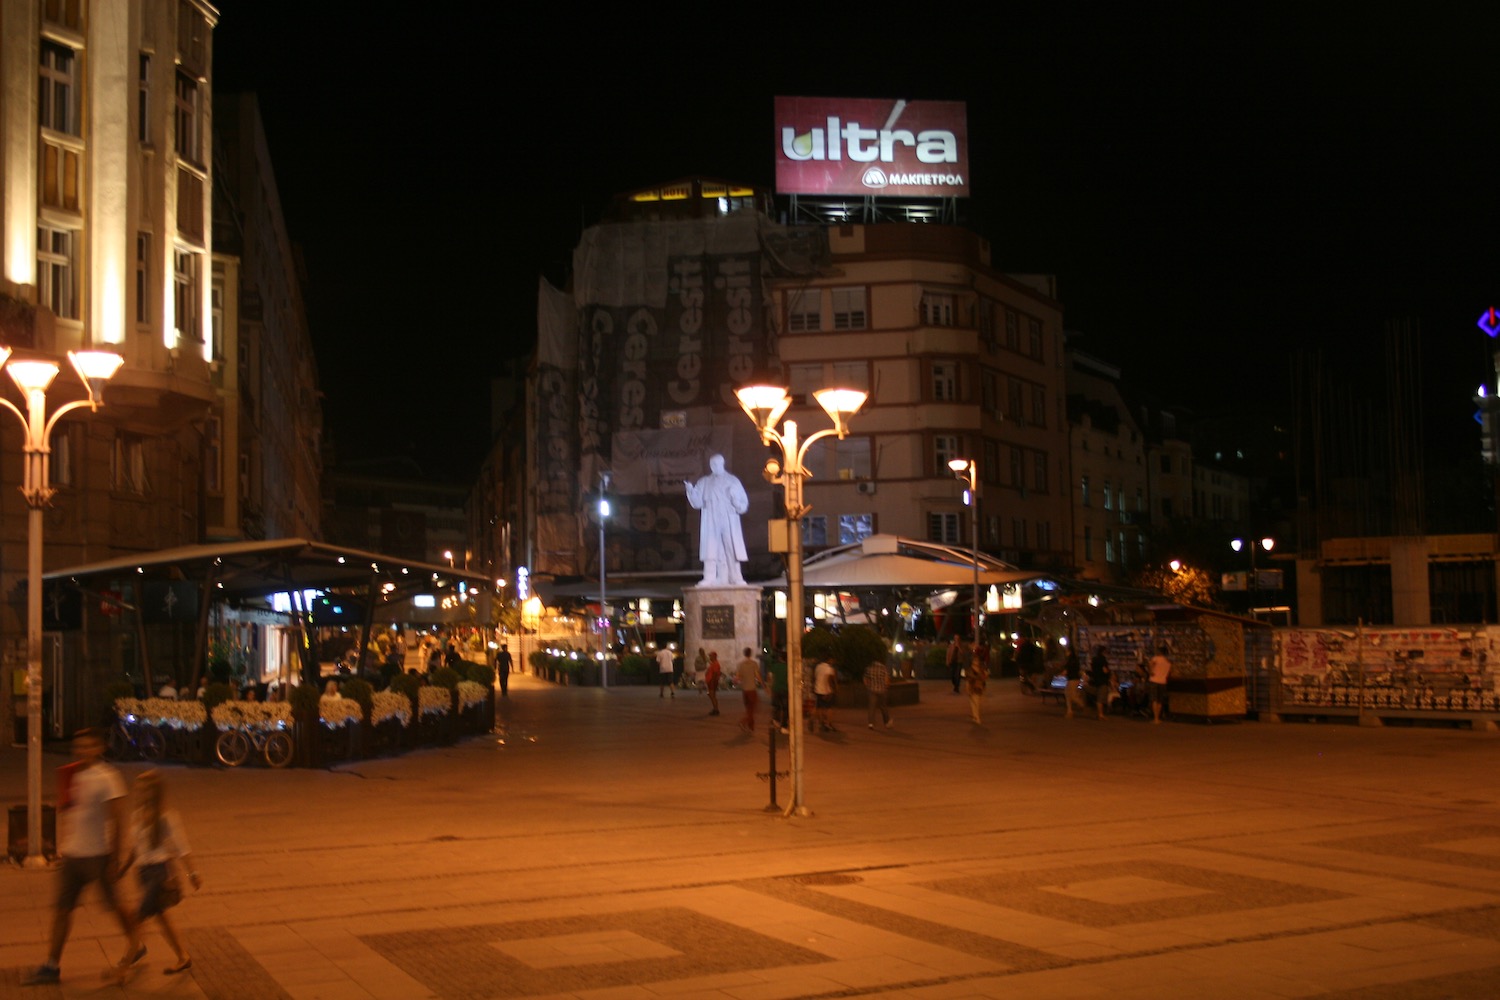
718, 621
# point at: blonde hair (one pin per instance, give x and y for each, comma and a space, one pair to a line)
148, 791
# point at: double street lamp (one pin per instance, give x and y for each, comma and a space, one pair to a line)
33, 378
765, 405
1239, 544
966, 471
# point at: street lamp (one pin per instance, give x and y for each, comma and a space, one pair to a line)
765, 405
603, 614
33, 378
1253, 544
966, 471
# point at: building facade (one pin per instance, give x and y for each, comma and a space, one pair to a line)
1111, 481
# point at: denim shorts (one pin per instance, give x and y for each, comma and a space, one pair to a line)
76, 873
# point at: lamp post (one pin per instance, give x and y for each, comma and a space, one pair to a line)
603, 613
33, 378
1239, 544
966, 471
765, 405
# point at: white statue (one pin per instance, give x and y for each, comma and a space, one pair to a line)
721, 544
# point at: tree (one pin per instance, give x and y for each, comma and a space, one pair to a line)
1185, 584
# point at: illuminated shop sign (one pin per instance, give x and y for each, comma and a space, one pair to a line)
845, 146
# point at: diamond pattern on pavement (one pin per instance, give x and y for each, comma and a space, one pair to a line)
495, 960
1101, 895
1466, 846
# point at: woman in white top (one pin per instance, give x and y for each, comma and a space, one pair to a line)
158, 842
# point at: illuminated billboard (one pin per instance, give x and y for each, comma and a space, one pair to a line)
862, 147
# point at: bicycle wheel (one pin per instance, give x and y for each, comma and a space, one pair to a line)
119, 741
232, 747
278, 749
150, 742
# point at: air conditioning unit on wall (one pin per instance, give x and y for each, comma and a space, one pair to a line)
867, 487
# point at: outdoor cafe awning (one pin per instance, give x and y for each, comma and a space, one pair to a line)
891, 561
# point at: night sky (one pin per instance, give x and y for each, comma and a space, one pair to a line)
1214, 189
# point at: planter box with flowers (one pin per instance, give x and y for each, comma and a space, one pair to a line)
471, 698
339, 720
390, 714
252, 715
435, 710
179, 722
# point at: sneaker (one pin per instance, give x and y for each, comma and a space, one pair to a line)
42, 975
889, 723
872, 725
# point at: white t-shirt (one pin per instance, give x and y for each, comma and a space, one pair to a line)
823, 678
85, 823
664, 661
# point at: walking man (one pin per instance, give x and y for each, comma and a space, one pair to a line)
979, 675
1099, 680
92, 825
877, 686
664, 671
747, 674
1161, 672
825, 688
711, 675
502, 669
956, 659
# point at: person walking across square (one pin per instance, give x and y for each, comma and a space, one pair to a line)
825, 689
711, 676
159, 845
978, 677
502, 669
747, 675
1099, 681
92, 827
664, 668
877, 686
1161, 672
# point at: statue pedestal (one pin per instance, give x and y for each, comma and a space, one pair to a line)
721, 619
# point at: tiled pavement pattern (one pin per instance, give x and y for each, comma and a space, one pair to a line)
612, 846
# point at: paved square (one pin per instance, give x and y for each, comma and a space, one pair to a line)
583, 949
1149, 890
566, 954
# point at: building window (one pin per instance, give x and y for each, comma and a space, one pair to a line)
989, 470
855, 528
1034, 338
804, 380
989, 334
1017, 468
68, 13
851, 375
128, 465
851, 458
185, 295
213, 455
192, 38
944, 450
57, 100
992, 530
804, 310
937, 309
60, 463
944, 382
190, 205
1109, 548
142, 276
1044, 534
1015, 391
815, 531
849, 308
1084, 488
1039, 471
1018, 532
1012, 330
989, 393
60, 180
1109, 496
942, 528
57, 270
186, 120
1038, 406
143, 99
216, 314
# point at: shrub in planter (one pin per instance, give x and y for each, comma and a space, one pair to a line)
480, 674
820, 644
445, 677
216, 694
304, 700
358, 689
858, 647
539, 659
636, 665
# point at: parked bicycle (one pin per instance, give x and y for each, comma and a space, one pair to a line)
130, 739
234, 745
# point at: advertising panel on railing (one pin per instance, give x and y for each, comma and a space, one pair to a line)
865, 147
